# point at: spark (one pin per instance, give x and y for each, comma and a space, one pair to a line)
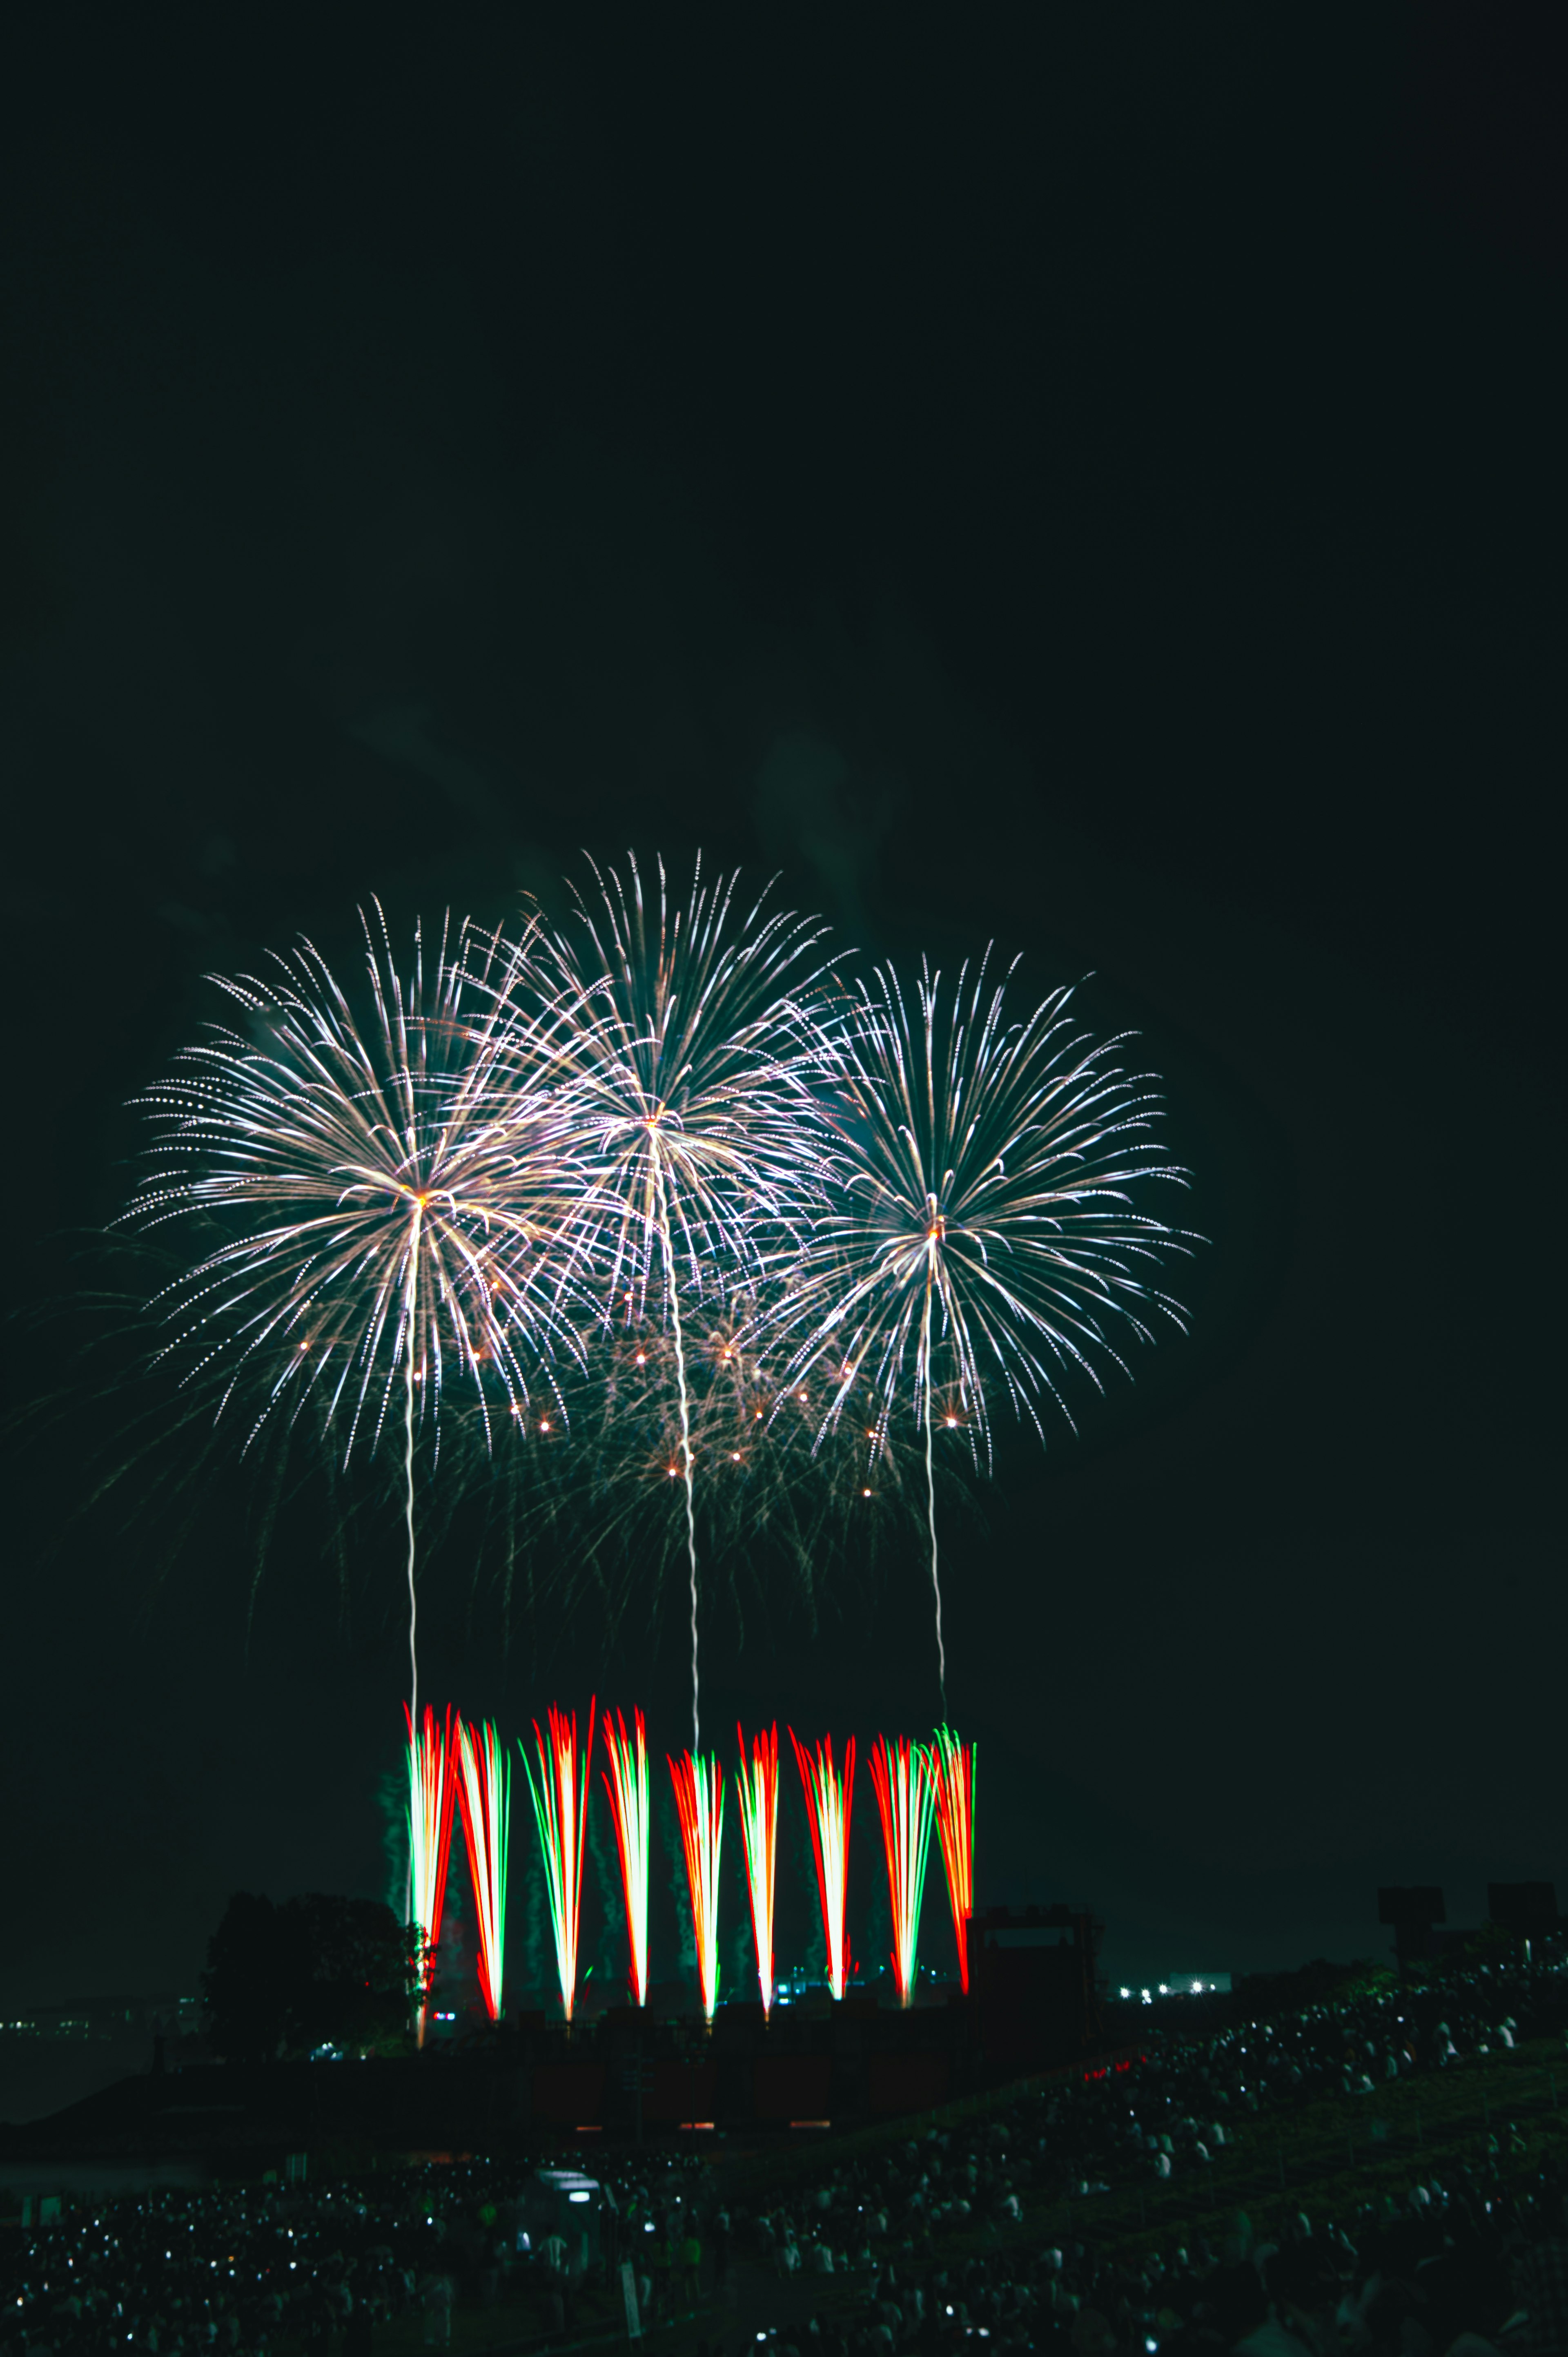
560, 1800
700, 1804
758, 1786
829, 1799
484, 1796
625, 1782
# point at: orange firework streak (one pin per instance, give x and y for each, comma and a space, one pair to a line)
828, 1803
950, 1766
432, 1788
699, 1804
561, 1812
625, 1781
484, 1793
759, 1831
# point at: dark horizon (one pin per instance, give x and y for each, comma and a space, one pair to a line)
1096, 486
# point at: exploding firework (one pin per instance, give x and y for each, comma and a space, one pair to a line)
950, 1769
978, 1234
625, 1781
829, 1799
484, 1795
904, 1805
700, 1804
560, 1800
758, 1784
383, 1230
431, 1784
681, 1104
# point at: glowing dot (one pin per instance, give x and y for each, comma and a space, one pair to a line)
865, 1493
642, 1358
949, 1421
674, 1472
545, 1423
758, 1417
735, 1457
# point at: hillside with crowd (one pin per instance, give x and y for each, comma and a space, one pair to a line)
1376, 2172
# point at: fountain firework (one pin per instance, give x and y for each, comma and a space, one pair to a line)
700, 1804
950, 1769
829, 1800
560, 1799
485, 1797
758, 1786
431, 1784
625, 1782
904, 1804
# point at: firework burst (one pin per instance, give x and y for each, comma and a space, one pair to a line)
625, 1782
979, 1236
700, 1804
758, 1786
829, 1801
904, 1805
432, 1785
560, 1799
681, 1104
950, 1769
381, 1230
484, 1795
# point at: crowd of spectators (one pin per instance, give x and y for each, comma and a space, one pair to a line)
923, 2242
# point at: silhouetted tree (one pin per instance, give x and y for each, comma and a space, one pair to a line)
314, 1971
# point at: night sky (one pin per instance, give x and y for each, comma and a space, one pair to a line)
1090, 478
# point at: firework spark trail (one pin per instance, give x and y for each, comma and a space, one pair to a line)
432, 1785
681, 1097
700, 1804
758, 1786
829, 1800
950, 1768
560, 1800
904, 1804
389, 1224
625, 1782
979, 1232
484, 1796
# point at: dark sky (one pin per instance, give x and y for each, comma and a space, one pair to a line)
1092, 478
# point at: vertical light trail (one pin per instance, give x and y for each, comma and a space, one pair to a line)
431, 1791
484, 1793
904, 1802
829, 1800
560, 1799
625, 1781
409, 1331
674, 1297
700, 1804
950, 1767
758, 1786
925, 1377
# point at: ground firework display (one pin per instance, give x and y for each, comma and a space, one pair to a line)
700, 1805
485, 1797
950, 1767
625, 1784
904, 1804
431, 1784
757, 1784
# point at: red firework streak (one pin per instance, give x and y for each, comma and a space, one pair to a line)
904, 1804
484, 1795
949, 1765
625, 1781
827, 1812
759, 1831
561, 1812
700, 1803
432, 1788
